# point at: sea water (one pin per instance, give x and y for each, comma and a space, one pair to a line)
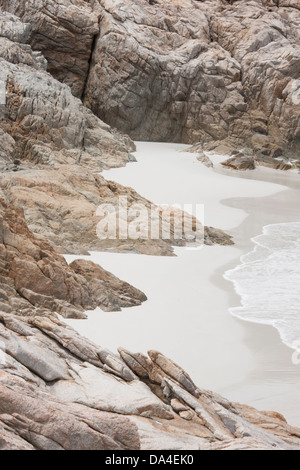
268, 281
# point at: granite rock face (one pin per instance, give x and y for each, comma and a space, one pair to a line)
64, 32
159, 76
47, 125
52, 149
193, 71
66, 205
201, 71
59, 391
240, 162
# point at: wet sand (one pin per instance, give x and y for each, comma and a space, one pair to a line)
274, 382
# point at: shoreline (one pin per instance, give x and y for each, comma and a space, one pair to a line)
199, 325
275, 379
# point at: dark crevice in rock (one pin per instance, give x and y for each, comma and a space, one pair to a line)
90, 61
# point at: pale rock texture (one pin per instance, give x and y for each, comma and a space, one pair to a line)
64, 204
50, 127
77, 401
58, 390
240, 162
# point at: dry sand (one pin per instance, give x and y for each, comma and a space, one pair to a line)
187, 315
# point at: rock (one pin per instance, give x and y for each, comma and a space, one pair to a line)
216, 236
64, 32
169, 72
68, 339
203, 158
56, 394
188, 415
112, 294
116, 364
171, 77
58, 129
265, 46
240, 162
13, 29
98, 389
197, 72
34, 274
70, 216
178, 406
7, 146
138, 363
173, 370
52, 147
43, 363
213, 423
47, 424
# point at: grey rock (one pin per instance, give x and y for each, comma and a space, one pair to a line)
64, 32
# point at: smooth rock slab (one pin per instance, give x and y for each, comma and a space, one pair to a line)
42, 362
102, 391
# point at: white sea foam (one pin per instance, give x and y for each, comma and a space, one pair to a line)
268, 281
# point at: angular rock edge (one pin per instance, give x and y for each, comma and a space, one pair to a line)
60, 391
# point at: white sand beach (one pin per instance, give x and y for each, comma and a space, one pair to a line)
187, 313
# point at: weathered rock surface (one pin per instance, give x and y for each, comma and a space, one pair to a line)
50, 127
64, 205
60, 391
52, 147
34, 274
240, 162
45, 123
207, 71
64, 32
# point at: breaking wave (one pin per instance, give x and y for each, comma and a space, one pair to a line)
268, 281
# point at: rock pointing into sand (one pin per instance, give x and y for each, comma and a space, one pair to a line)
33, 273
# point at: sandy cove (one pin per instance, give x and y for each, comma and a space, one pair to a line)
186, 316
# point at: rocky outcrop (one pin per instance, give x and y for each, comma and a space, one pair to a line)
201, 71
34, 274
64, 205
208, 71
60, 391
53, 148
42, 121
64, 32
158, 75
